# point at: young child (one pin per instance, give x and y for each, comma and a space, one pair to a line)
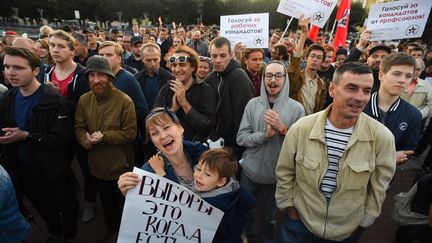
214, 181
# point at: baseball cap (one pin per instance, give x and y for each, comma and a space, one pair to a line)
11, 33
379, 47
135, 39
99, 64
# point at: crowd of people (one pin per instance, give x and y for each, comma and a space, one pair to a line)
302, 129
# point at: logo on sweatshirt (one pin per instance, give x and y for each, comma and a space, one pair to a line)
403, 126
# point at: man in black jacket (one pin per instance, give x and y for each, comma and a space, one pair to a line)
233, 89
37, 134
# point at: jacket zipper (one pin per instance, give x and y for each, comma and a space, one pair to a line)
325, 222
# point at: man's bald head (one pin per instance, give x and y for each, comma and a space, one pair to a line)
24, 42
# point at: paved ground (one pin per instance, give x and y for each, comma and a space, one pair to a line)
382, 231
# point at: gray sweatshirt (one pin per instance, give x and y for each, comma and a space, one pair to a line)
261, 155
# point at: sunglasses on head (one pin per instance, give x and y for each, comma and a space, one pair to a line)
179, 59
202, 58
155, 111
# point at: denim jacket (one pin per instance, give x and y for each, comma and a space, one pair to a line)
13, 227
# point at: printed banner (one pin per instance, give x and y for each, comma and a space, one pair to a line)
250, 29
318, 10
158, 210
398, 20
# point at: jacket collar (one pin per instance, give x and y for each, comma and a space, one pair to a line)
375, 108
361, 131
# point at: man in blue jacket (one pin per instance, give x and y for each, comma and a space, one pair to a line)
386, 106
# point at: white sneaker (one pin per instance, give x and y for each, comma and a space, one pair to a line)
88, 212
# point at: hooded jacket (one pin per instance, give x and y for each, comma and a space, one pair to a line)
77, 87
235, 202
233, 90
261, 155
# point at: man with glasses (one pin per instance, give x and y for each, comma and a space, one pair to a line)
306, 86
265, 121
193, 101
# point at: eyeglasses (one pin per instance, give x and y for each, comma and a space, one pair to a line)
180, 59
269, 76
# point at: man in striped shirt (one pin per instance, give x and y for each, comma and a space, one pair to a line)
335, 165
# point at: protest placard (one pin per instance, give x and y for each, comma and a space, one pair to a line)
318, 10
398, 20
250, 29
160, 210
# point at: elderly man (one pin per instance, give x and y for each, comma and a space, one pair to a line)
197, 44
335, 165
105, 125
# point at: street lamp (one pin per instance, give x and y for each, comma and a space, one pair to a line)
119, 15
41, 13
15, 11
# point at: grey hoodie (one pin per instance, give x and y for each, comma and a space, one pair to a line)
261, 155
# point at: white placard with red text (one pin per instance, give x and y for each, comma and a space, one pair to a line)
318, 10
250, 29
398, 20
158, 210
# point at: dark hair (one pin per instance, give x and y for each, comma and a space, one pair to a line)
282, 51
30, 56
220, 41
81, 38
308, 42
350, 67
395, 59
341, 51
314, 47
417, 49
220, 160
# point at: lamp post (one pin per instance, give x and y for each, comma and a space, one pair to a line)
119, 16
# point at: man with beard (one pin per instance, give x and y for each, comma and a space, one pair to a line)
386, 106
335, 165
374, 57
135, 59
36, 131
105, 125
306, 86
198, 45
193, 101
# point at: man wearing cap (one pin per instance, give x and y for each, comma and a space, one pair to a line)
374, 58
135, 59
9, 37
105, 125
93, 45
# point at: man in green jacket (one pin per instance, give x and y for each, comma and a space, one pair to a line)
105, 125
335, 165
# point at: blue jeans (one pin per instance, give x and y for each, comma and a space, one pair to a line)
294, 231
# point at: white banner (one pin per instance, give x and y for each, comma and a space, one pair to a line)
398, 20
318, 10
250, 29
158, 210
